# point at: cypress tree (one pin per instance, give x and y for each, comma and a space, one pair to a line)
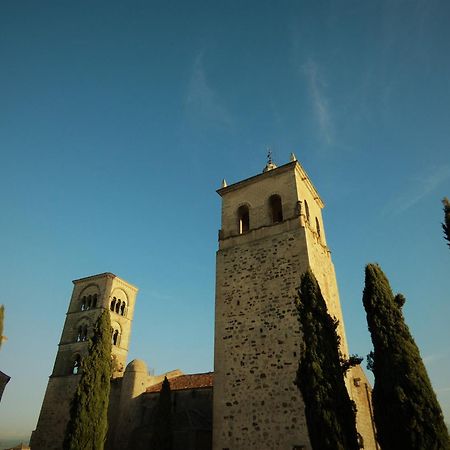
446, 223
87, 427
162, 436
407, 413
330, 414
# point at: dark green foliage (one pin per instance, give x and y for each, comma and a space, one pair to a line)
400, 300
369, 358
2, 315
162, 437
88, 423
352, 361
329, 411
446, 224
407, 413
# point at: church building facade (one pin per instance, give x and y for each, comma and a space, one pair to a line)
271, 231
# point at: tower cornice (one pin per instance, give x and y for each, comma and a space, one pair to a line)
273, 173
105, 275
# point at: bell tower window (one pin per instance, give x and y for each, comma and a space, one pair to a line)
76, 365
82, 333
243, 219
276, 208
115, 337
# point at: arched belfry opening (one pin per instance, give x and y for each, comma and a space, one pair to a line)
76, 365
276, 208
82, 332
115, 337
243, 219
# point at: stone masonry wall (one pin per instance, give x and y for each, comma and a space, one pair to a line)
322, 266
361, 393
49, 434
257, 405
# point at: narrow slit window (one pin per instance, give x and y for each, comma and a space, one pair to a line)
243, 219
317, 226
307, 210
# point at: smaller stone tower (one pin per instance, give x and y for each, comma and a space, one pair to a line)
90, 296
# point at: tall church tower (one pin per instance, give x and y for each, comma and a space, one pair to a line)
91, 295
272, 231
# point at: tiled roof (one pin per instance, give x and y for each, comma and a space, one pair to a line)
192, 381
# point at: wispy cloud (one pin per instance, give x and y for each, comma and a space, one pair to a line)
202, 104
320, 102
420, 187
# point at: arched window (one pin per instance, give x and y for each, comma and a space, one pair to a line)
89, 302
243, 219
276, 208
84, 335
318, 226
76, 364
113, 304
122, 309
307, 210
115, 337
118, 305
80, 333
83, 303
94, 300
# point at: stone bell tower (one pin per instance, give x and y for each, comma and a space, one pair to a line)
91, 295
272, 231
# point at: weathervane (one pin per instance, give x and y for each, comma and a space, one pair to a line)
270, 164
269, 155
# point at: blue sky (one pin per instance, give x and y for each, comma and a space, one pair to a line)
118, 121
